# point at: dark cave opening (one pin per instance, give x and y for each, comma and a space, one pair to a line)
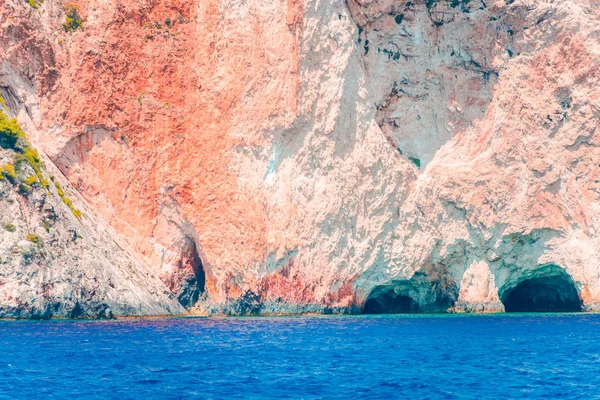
390, 303
198, 268
189, 282
556, 293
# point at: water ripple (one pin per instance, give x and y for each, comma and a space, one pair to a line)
435, 357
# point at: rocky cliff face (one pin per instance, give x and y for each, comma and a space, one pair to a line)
56, 258
291, 156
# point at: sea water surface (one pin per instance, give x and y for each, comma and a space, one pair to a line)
336, 357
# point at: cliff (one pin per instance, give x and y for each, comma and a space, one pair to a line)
56, 259
322, 156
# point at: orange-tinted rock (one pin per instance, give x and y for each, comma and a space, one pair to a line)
311, 152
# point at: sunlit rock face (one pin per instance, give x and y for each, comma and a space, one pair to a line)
518, 190
432, 67
293, 156
57, 258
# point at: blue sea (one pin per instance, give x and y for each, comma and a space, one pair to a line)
331, 357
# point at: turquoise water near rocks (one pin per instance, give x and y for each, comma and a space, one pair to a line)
332, 357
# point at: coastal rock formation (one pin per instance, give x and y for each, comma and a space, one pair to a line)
514, 196
57, 259
303, 156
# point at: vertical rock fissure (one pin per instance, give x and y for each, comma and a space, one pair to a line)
198, 268
189, 280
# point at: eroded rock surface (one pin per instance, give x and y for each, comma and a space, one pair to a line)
294, 156
57, 258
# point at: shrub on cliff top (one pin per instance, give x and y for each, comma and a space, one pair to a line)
73, 20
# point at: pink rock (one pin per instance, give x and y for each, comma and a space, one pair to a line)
312, 152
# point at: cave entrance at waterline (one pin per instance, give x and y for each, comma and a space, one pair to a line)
416, 295
553, 293
390, 303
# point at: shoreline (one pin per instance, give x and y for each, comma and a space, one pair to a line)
312, 315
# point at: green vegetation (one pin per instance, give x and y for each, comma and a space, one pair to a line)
73, 20
66, 200
8, 172
34, 239
10, 227
34, 3
24, 189
10, 131
32, 157
46, 224
415, 161
12, 137
31, 180
76, 213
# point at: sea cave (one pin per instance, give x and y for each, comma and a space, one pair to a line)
555, 293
